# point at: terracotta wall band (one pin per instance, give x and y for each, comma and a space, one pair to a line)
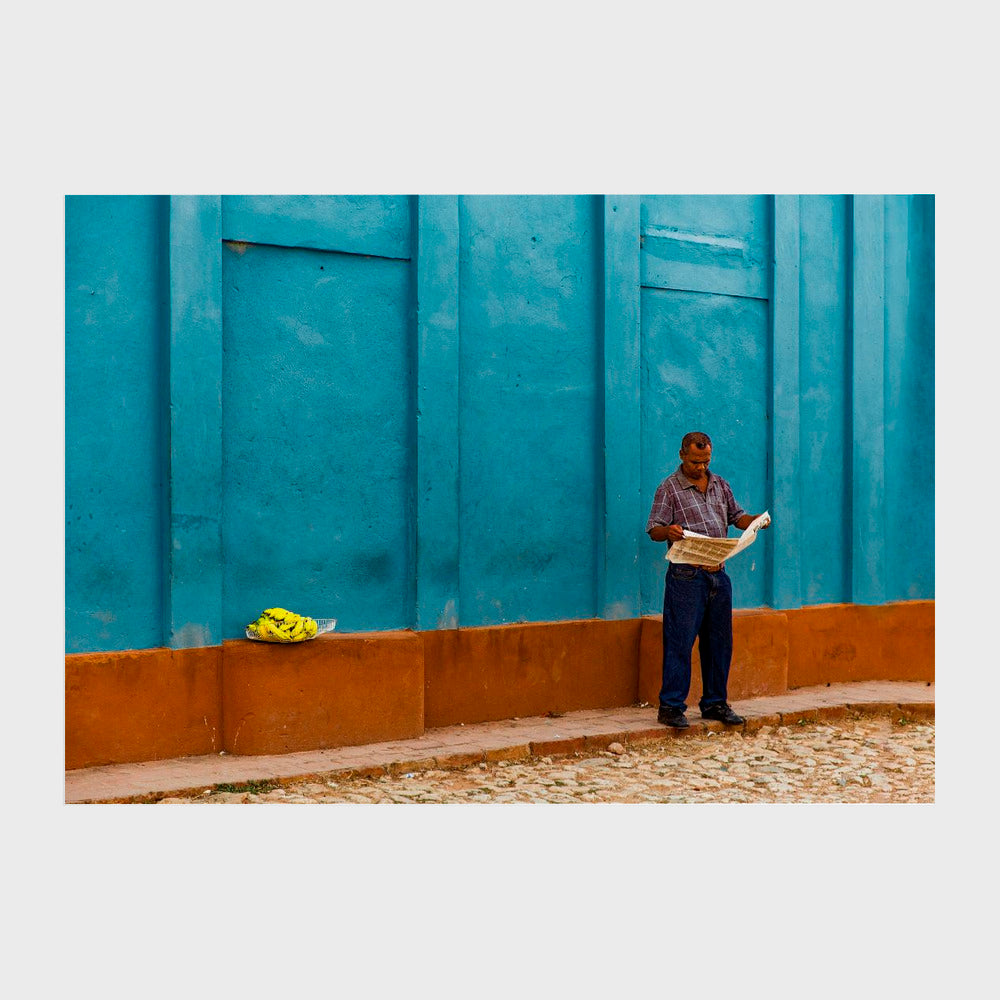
355, 688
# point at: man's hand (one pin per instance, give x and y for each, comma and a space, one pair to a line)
747, 519
674, 532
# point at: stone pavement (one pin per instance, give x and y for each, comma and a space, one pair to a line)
455, 747
857, 759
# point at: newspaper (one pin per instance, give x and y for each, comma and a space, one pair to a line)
704, 551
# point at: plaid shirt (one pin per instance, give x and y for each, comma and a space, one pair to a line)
679, 501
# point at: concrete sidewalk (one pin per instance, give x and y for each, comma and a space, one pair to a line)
509, 739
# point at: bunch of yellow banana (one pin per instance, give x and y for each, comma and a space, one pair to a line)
279, 625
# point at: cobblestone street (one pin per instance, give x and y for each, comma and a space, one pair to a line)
866, 760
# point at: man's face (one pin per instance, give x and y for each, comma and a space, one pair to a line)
694, 462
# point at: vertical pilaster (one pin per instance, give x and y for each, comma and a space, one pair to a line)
437, 510
193, 556
868, 401
618, 588
786, 508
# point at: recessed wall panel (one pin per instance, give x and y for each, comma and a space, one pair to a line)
316, 437
705, 368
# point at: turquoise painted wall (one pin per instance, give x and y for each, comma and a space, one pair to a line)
909, 398
824, 452
529, 394
116, 331
438, 411
316, 435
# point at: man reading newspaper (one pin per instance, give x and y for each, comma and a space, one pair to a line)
697, 597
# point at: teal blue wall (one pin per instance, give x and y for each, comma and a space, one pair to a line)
116, 329
438, 411
824, 397
316, 439
528, 403
909, 398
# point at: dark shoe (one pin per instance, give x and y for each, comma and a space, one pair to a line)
722, 713
672, 717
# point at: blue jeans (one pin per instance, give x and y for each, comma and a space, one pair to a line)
696, 603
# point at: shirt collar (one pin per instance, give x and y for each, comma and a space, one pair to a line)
685, 482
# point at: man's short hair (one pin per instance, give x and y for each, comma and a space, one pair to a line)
696, 438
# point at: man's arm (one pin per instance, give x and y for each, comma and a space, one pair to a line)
746, 520
666, 532
663, 511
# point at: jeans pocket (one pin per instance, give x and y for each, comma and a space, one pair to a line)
680, 572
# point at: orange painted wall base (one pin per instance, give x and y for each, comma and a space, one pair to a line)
856, 642
499, 672
341, 690
146, 704
335, 691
